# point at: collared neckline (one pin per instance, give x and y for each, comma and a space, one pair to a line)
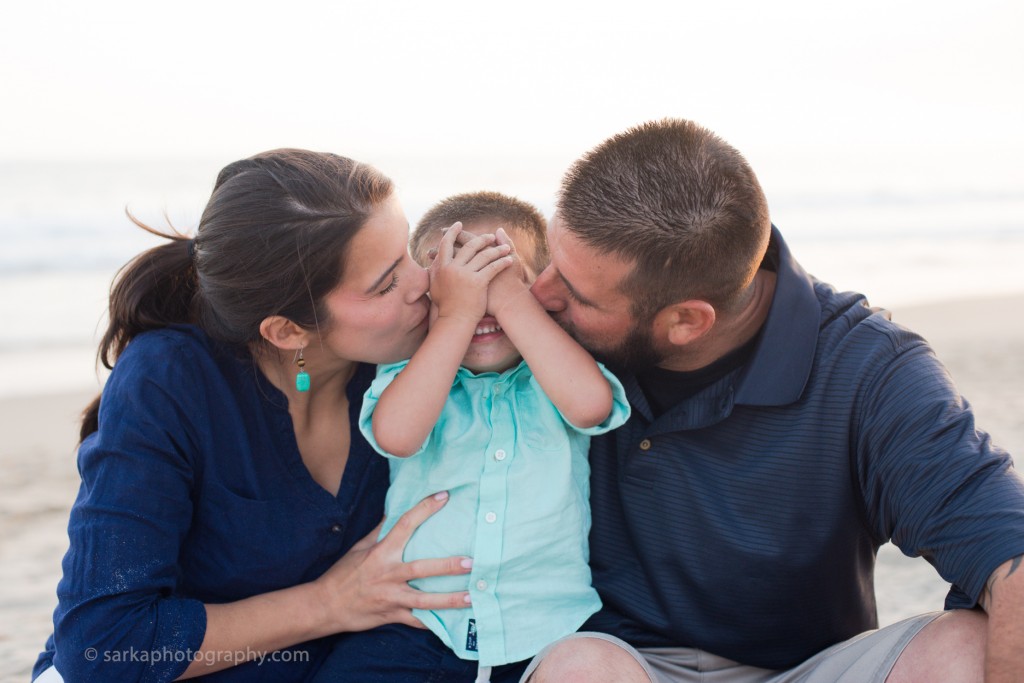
465, 374
781, 363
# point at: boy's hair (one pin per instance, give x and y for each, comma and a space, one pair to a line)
679, 202
512, 213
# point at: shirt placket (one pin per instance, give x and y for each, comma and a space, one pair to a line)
490, 526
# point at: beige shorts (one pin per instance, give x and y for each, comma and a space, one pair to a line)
865, 658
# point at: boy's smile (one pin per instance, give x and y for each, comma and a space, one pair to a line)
491, 350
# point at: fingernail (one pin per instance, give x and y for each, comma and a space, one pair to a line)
466, 599
443, 495
467, 563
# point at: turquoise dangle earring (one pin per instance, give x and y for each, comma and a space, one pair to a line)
301, 379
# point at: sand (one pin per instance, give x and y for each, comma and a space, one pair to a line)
981, 342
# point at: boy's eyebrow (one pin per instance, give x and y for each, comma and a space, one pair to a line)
383, 276
576, 295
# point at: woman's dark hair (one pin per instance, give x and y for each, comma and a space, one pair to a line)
271, 241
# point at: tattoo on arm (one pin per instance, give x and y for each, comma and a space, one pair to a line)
986, 596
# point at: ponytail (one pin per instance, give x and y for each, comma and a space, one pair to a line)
155, 289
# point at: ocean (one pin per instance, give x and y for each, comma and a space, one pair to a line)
65, 234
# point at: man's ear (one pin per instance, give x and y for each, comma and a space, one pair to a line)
687, 321
283, 333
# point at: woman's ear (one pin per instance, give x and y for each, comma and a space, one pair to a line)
688, 321
283, 333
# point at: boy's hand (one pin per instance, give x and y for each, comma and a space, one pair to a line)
459, 276
510, 282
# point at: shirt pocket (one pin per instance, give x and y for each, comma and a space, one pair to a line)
239, 546
539, 426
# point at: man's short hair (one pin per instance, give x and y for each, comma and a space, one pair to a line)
679, 202
514, 215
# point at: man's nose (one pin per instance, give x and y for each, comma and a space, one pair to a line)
549, 290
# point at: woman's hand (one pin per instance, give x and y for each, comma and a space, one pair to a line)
368, 587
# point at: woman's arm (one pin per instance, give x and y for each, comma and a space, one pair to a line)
409, 407
123, 613
568, 374
366, 588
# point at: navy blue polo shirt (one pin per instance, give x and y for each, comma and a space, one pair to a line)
745, 520
193, 491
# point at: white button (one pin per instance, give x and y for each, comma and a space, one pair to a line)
491, 517
499, 454
481, 585
498, 388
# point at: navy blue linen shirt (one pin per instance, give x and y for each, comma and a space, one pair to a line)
745, 520
193, 490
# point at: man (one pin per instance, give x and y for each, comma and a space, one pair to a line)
781, 432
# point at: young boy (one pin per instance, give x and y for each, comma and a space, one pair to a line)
496, 407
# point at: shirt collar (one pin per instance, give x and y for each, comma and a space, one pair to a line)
781, 364
466, 375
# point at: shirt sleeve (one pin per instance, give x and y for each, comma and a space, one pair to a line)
932, 482
616, 418
385, 376
118, 616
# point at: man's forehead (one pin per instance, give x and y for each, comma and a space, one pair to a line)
564, 239
582, 267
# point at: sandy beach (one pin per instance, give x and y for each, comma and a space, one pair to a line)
981, 342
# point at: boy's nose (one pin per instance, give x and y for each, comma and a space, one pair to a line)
549, 290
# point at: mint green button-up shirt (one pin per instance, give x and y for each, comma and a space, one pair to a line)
519, 485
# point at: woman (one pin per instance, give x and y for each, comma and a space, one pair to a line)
228, 512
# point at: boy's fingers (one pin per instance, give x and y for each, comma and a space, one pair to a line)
487, 256
446, 247
468, 251
496, 266
502, 238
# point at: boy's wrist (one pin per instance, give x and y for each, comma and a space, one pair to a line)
506, 302
456, 320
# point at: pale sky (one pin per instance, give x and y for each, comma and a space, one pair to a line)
130, 79
831, 102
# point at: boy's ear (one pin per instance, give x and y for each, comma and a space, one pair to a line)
687, 321
283, 333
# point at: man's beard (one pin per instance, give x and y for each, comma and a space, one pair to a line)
636, 353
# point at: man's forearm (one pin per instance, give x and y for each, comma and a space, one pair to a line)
1004, 602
